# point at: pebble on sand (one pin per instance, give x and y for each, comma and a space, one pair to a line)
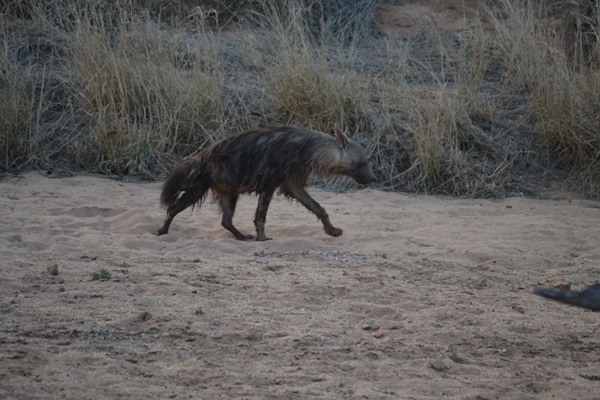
53, 269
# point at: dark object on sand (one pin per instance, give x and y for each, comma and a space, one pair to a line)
589, 298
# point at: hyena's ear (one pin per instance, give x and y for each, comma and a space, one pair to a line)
341, 137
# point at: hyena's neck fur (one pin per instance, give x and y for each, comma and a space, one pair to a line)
327, 159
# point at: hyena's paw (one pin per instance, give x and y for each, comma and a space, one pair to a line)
245, 237
161, 231
335, 232
262, 238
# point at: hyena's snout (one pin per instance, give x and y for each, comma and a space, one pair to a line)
364, 176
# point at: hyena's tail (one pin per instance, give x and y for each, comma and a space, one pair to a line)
189, 176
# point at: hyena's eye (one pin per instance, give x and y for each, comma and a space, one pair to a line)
360, 165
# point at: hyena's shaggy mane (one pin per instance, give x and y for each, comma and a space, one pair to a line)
271, 156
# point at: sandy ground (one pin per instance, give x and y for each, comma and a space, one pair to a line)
422, 297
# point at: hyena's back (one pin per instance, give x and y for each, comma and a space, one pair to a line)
256, 159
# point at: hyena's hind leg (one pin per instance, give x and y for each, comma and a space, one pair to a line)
188, 199
227, 202
260, 218
303, 197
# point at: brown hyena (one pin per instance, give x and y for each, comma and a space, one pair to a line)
260, 161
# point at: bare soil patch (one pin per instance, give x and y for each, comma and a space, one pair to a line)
422, 297
414, 17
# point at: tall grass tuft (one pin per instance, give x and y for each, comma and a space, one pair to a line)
557, 65
146, 94
17, 113
567, 108
444, 146
304, 91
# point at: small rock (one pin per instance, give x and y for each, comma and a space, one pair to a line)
144, 316
379, 335
538, 387
439, 365
519, 308
53, 269
15, 239
260, 253
458, 359
17, 299
573, 337
370, 327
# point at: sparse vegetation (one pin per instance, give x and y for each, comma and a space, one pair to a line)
411, 277
131, 88
99, 275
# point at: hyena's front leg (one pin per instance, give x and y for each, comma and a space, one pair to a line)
260, 218
303, 197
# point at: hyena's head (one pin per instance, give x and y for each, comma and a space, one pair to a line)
354, 162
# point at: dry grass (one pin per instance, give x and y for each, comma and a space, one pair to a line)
569, 123
131, 88
303, 91
141, 99
17, 119
566, 100
443, 138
